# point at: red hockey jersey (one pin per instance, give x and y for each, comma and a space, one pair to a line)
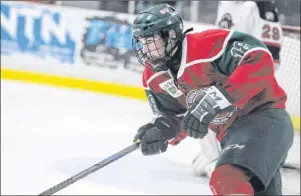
241, 63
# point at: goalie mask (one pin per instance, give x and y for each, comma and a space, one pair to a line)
157, 35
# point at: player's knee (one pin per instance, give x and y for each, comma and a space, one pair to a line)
230, 180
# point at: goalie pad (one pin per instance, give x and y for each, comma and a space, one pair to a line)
204, 163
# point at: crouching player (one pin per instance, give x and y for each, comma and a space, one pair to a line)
217, 80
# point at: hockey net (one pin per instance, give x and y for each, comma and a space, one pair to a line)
288, 76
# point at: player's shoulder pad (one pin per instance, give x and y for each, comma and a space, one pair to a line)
204, 46
268, 10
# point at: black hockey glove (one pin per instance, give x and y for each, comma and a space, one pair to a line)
155, 136
207, 104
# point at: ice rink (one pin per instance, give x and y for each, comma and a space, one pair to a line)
49, 134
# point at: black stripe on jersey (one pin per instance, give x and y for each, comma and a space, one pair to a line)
265, 7
275, 50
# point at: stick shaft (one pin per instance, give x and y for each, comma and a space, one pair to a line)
91, 169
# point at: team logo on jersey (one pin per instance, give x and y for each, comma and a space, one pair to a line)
193, 95
170, 87
226, 21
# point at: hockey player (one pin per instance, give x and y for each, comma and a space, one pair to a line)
217, 80
259, 19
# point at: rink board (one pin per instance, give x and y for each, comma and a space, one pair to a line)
96, 86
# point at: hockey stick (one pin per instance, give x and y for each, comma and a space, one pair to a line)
92, 169
290, 166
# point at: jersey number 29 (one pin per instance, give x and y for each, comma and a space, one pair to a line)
270, 32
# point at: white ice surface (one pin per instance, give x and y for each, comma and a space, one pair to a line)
49, 134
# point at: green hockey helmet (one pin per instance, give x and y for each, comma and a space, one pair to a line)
157, 34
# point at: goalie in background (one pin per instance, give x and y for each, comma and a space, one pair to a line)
259, 19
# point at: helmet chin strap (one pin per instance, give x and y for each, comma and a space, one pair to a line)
175, 54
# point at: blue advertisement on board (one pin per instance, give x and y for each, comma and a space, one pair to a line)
107, 42
34, 31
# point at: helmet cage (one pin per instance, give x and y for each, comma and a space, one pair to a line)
160, 61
